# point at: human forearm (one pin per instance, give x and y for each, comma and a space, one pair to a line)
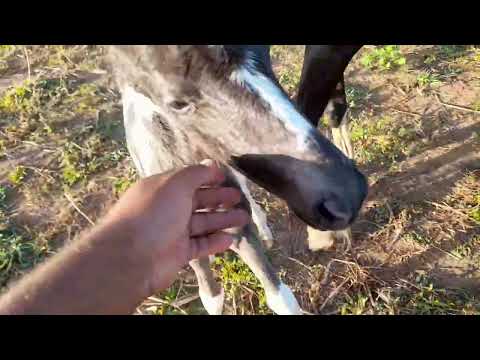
98, 274
138, 248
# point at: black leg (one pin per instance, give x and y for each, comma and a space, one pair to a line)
322, 93
322, 73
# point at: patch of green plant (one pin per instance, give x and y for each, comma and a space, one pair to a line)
382, 141
383, 58
72, 169
86, 99
235, 274
59, 56
168, 296
356, 305
418, 238
452, 51
6, 50
469, 249
109, 128
96, 154
427, 78
289, 79
120, 185
16, 99
17, 254
17, 175
3, 196
290, 71
476, 105
429, 300
356, 96
475, 215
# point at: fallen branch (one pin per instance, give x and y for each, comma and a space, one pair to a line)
446, 207
396, 237
69, 198
299, 263
185, 300
453, 106
326, 274
406, 112
332, 294
163, 302
25, 51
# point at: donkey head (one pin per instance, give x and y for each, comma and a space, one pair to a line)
223, 103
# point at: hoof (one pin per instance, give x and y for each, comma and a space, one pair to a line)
213, 304
320, 240
324, 240
282, 301
267, 242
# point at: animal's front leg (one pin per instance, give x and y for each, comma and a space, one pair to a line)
211, 293
258, 215
280, 299
337, 115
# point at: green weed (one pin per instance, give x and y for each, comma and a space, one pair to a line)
120, 185
383, 58
291, 59
235, 275
381, 142
452, 51
17, 254
476, 105
354, 305
356, 96
468, 249
17, 175
427, 79
5, 50
16, 99
428, 300
3, 196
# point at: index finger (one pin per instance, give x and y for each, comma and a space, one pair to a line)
207, 174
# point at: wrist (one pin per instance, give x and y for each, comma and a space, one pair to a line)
126, 265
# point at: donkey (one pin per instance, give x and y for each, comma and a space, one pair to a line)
186, 103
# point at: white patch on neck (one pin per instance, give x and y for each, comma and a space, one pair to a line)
280, 105
282, 301
258, 215
138, 113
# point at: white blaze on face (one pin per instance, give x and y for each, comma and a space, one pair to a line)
280, 105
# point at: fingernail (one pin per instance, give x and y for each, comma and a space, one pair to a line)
207, 162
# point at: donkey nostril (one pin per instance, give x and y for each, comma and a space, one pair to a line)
334, 212
323, 211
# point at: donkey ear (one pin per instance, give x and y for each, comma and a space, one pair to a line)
179, 50
218, 53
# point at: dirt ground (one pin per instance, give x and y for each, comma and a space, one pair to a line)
415, 124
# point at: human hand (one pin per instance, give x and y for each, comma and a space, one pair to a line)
166, 231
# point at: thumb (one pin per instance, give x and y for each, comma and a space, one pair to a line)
208, 245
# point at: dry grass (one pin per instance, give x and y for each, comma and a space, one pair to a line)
63, 161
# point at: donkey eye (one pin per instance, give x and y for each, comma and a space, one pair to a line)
178, 104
